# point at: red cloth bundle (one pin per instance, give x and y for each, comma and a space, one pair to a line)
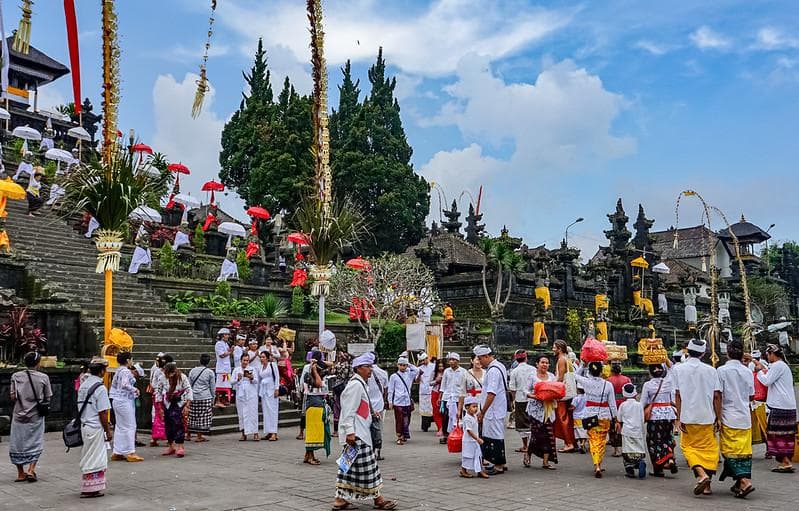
455, 440
593, 351
549, 390
761, 391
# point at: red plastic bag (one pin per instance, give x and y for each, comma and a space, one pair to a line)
455, 439
593, 351
549, 390
761, 391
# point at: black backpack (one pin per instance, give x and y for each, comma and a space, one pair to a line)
72, 436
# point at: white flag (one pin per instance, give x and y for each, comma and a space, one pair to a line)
6, 57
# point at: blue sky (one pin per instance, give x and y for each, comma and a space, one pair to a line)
556, 107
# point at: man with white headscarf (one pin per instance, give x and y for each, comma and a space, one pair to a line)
493, 408
399, 397
450, 393
698, 399
425, 391
377, 385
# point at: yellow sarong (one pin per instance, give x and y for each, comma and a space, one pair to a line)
700, 447
539, 333
314, 428
735, 443
759, 422
597, 440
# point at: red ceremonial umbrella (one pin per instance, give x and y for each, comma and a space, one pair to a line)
212, 186
178, 168
298, 238
142, 149
359, 263
257, 212
119, 134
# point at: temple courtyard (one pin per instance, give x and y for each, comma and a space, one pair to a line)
225, 474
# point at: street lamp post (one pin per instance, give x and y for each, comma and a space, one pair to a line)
566, 237
768, 254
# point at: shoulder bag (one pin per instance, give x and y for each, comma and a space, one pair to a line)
375, 428
593, 421
192, 382
71, 434
570, 381
648, 407
410, 398
42, 407
510, 397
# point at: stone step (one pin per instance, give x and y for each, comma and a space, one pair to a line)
167, 333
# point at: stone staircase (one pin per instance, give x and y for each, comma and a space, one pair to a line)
57, 256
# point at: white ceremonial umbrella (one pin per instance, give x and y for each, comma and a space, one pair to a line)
188, 202
661, 268
778, 326
145, 213
59, 155
4, 115
232, 229
26, 133
80, 133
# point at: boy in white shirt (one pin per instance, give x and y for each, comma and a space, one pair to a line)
471, 453
630, 423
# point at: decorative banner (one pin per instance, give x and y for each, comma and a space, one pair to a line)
111, 55
6, 59
202, 83
74, 53
22, 39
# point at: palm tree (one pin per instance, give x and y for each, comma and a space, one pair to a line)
503, 261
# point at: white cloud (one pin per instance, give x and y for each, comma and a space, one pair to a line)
50, 96
182, 53
427, 43
461, 169
770, 38
195, 142
651, 47
705, 38
406, 86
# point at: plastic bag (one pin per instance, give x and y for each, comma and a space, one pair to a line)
593, 351
549, 390
455, 440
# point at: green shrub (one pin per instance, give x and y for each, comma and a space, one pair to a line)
297, 302
243, 265
199, 239
167, 261
223, 289
392, 341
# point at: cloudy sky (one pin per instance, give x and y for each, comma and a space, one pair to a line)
556, 108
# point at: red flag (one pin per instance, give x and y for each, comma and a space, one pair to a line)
74, 53
363, 409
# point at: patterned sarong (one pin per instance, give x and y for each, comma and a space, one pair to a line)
660, 443
362, 481
93, 482
597, 440
564, 424
542, 439
201, 416
700, 447
781, 434
736, 447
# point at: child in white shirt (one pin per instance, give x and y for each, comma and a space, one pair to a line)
578, 413
630, 423
471, 454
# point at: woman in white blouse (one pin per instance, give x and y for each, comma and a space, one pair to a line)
781, 402
542, 419
123, 396
600, 408
656, 398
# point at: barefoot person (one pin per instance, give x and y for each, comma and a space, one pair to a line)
698, 400
363, 480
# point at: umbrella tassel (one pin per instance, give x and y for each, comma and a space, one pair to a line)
22, 37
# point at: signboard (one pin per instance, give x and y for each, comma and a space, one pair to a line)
359, 348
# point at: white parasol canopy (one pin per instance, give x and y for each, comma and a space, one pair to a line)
232, 229
187, 200
4, 115
26, 133
80, 133
778, 326
59, 155
661, 268
145, 213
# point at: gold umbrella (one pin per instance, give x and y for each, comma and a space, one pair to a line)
11, 190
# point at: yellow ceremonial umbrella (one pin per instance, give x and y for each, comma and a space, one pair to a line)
639, 262
11, 190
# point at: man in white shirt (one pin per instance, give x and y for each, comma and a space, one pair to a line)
698, 399
519, 378
377, 386
493, 408
223, 369
399, 398
425, 391
450, 393
781, 402
735, 437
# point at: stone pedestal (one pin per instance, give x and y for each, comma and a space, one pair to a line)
215, 243
512, 333
171, 217
260, 272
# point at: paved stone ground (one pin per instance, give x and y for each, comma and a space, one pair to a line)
225, 474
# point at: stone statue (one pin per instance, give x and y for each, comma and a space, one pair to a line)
182, 236
230, 269
474, 229
724, 308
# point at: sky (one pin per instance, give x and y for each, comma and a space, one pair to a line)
556, 108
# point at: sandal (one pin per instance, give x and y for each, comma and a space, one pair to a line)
483, 475
93, 495
386, 504
741, 494
701, 486
313, 461
31, 478
521, 449
299, 437
548, 467
24, 478
783, 470
400, 442
566, 451
347, 506
598, 474
465, 474
200, 440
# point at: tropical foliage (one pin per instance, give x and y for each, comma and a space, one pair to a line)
18, 336
505, 263
268, 307
329, 231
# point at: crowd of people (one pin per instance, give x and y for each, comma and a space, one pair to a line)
712, 411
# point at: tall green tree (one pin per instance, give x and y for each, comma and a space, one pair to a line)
265, 146
370, 160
